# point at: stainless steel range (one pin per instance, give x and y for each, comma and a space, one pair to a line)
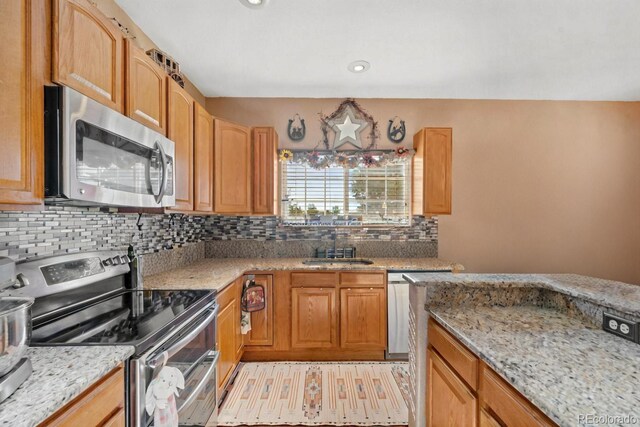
91, 298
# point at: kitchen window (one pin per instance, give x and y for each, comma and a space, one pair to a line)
340, 195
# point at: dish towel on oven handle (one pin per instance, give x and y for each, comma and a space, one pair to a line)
160, 398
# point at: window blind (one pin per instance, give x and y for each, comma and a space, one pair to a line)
346, 196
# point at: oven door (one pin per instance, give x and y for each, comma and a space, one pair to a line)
190, 349
110, 159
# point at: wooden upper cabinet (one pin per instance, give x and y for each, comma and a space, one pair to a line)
88, 52
203, 160
449, 401
265, 171
363, 318
432, 165
23, 30
261, 333
232, 172
314, 320
146, 94
180, 131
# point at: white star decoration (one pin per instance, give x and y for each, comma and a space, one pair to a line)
348, 129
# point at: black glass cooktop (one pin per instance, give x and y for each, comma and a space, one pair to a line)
131, 317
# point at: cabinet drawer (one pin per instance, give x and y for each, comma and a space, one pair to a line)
512, 409
364, 279
460, 359
98, 405
313, 279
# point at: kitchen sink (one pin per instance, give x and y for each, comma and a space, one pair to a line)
348, 261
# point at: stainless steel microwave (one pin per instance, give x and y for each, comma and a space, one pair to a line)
95, 156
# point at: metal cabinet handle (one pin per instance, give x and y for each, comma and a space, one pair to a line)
163, 184
186, 339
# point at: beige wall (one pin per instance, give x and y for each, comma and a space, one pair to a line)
112, 10
537, 186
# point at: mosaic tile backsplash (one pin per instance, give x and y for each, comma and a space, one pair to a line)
57, 230
268, 228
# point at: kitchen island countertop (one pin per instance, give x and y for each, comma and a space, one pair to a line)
216, 273
59, 375
543, 335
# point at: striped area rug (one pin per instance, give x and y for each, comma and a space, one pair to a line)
312, 394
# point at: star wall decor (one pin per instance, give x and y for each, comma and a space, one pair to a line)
348, 128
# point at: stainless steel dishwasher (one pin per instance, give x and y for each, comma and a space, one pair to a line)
398, 313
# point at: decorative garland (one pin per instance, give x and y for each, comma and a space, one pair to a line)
351, 159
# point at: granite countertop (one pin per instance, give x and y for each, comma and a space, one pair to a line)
563, 365
619, 296
542, 333
216, 273
59, 375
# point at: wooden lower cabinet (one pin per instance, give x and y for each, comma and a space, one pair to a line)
101, 405
463, 391
261, 333
229, 341
449, 401
363, 318
487, 420
320, 315
314, 318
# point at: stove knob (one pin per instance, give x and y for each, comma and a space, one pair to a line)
116, 260
21, 281
107, 262
124, 259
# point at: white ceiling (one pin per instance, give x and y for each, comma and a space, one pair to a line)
483, 49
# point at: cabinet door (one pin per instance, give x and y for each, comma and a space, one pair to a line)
180, 131
232, 192
239, 338
226, 341
487, 420
88, 52
261, 333
363, 318
265, 171
432, 164
449, 401
22, 30
203, 160
314, 318
146, 90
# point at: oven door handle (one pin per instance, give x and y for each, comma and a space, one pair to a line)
163, 184
203, 382
179, 345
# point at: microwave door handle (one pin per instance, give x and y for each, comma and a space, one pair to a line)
203, 382
163, 184
153, 363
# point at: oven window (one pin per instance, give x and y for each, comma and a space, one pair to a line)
106, 160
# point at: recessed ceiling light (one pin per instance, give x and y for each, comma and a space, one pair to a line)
358, 66
254, 4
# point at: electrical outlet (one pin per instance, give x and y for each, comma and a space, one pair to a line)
620, 326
